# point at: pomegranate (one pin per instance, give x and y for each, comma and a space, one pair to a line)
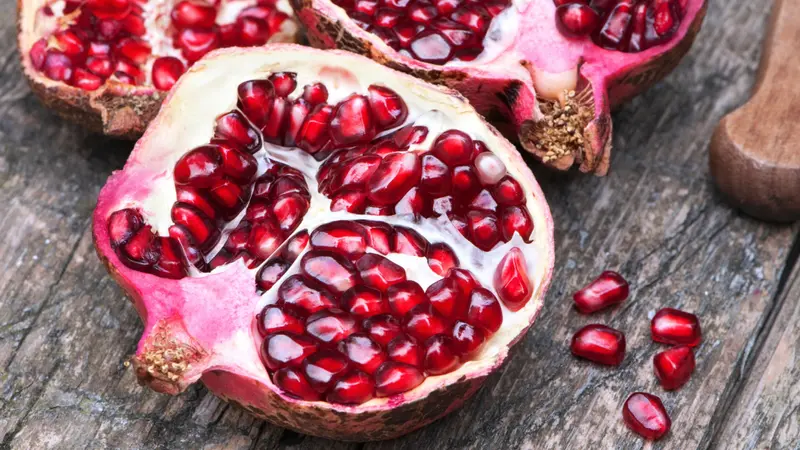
645, 415
607, 290
548, 71
106, 63
275, 227
675, 327
674, 366
600, 344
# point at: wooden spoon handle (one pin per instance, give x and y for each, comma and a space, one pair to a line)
755, 151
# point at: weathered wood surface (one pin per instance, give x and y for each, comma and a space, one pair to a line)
66, 328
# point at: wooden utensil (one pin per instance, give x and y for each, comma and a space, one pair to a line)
755, 150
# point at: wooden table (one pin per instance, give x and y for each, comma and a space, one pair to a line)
66, 329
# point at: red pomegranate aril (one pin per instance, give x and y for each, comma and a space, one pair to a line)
408, 242
404, 349
646, 416
352, 121
188, 14
423, 322
355, 173
170, 263
353, 388
508, 192
314, 134
675, 327
297, 293
286, 350
414, 203
383, 328
435, 178
289, 210
57, 66
379, 272
483, 201
166, 71
607, 290
86, 80
265, 238
388, 109
142, 249
329, 269
447, 299
440, 358
441, 258
379, 235
293, 382
323, 368
350, 201
234, 127
465, 183
186, 243
69, 43
315, 94
108, 30
331, 326
284, 82
576, 19
516, 220
288, 185
100, 66
343, 237
483, 229
197, 199
295, 245
195, 43
122, 225
133, 49
484, 310
201, 228
109, 9
239, 166
489, 168
404, 296
363, 352
511, 280
255, 100
395, 378
453, 147
364, 302
429, 46
238, 237
600, 344
127, 71
252, 31
275, 320
446, 6
298, 111
674, 366
467, 339
38, 53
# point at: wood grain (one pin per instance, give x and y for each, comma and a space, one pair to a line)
755, 151
66, 329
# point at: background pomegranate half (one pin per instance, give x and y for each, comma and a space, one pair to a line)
105, 64
337, 247
547, 71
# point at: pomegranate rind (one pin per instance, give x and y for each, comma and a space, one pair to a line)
218, 341
115, 109
503, 85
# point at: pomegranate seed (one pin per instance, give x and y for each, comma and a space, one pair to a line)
404, 349
675, 327
275, 320
516, 220
323, 368
86, 80
440, 358
109, 9
431, 47
600, 344
354, 388
465, 182
441, 258
483, 201
298, 111
100, 66
363, 352
229, 196
508, 192
575, 19
133, 49
423, 322
387, 18
364, 302
350, 201
166, 71
293, 382
404, 296
38, 53
395, 378
69, 43
199, 167
108, 29
240, 166
134, 25
388, 108
511, 280
255, 100
200, 226
355, 173
315, 94
645, 415
193, 197
195, 43
331, 326
184, 239
330, 270
284, 83
483, 229
467, 339
122, 225
409, 135
57, 66
379, 235
484, 310
453, 147
383, 328
607, 290
295, 245
170, 263
489, 168
613, 31
288, 185
303, 297
346, 238
289, 210
379, 272
313, 134
447, 298
252, 31
286, 350
234, 127
352, 121
435, 178
674, 366
408, 242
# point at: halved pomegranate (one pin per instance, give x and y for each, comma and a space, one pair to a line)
548, 71
105, 63
324, 241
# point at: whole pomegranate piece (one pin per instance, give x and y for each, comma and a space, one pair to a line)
274, 227
107, 64
553, 69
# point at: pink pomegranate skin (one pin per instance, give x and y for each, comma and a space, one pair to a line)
189, 335
506, 89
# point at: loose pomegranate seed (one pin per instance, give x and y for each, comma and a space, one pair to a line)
607, 290
286, 350
674, 366
600, 344
354, 388
512, 282
675, 327
395, 378
293, 381
166, 71
645, 415
274, 320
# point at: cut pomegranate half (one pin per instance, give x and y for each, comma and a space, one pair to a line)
548, 71
106, 63
225, 229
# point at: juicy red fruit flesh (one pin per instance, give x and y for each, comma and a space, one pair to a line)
674, 366
600, 344
107, 40
645, 415
607, 290
675, 327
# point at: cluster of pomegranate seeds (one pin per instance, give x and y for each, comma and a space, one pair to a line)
433, 31
97, 40
350, 325
623, 25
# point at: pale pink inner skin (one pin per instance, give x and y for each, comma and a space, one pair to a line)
349, 325
89, 42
